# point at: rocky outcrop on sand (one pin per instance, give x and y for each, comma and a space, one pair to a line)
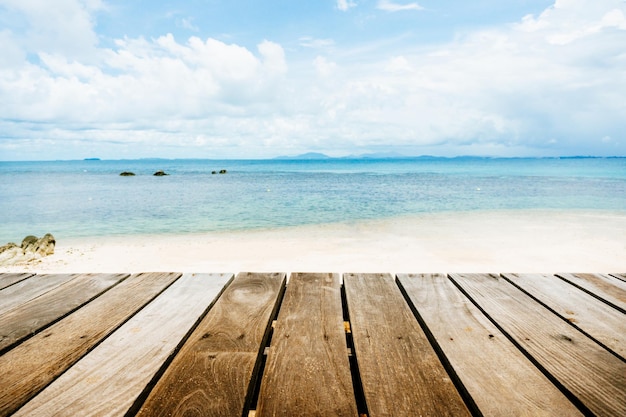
160, 174
127, 174
31, 249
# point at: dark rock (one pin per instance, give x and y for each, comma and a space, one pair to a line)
127, 174
223, 171
160, 174
213, 172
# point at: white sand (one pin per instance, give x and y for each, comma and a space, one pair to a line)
502, 241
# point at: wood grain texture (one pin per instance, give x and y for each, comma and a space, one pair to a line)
307, 371
28, 318
489, 366
211, 374
7, 279
32, 365
585, 312
30, 288
400, 371
594, 376
121, 367
612, 291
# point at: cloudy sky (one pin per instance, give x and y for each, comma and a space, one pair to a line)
254, 79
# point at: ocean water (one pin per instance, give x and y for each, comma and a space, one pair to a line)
89, 198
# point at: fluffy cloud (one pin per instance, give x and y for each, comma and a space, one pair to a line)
548, 84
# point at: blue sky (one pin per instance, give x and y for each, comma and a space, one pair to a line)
254, 79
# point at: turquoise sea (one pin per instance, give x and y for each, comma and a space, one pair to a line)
89, 198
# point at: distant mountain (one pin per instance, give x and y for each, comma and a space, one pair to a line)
308, 155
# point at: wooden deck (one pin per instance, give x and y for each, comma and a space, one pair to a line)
316, 344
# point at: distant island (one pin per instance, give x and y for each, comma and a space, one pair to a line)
308, 155
91, 159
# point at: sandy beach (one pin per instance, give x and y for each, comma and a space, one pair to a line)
519, 241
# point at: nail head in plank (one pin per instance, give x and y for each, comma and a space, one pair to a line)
28, 318
400, 371
610, 290
7, 278
592, 375
211, 373
597, 319
307, 371
121, 367
488, 365
23, 291
32, 365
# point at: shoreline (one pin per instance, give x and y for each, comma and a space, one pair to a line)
484, 241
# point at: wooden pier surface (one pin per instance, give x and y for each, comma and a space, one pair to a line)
312, 344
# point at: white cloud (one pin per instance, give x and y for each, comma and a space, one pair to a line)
344, 5
391, 6
323, 66
62, 26
399, 64
273, 57
549, 84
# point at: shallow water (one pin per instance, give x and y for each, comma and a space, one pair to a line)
89, 198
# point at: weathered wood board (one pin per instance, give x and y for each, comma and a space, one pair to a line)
400, 372
32, 316
31, 366
612, 291
7, 279
307, 372
212, 373
30, 288
487, 364
619, 276
597, 319
593, 376
120, 368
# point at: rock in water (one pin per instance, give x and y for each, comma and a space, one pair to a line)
127, 174
160, 174
32, 248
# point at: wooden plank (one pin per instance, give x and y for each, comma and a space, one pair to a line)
307, 371
32, 365
619, 276
212, 373
28, 289
612, 291
120, 368
594, 378
7, 279
488, 365
36, 314
400, 371
585, 312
